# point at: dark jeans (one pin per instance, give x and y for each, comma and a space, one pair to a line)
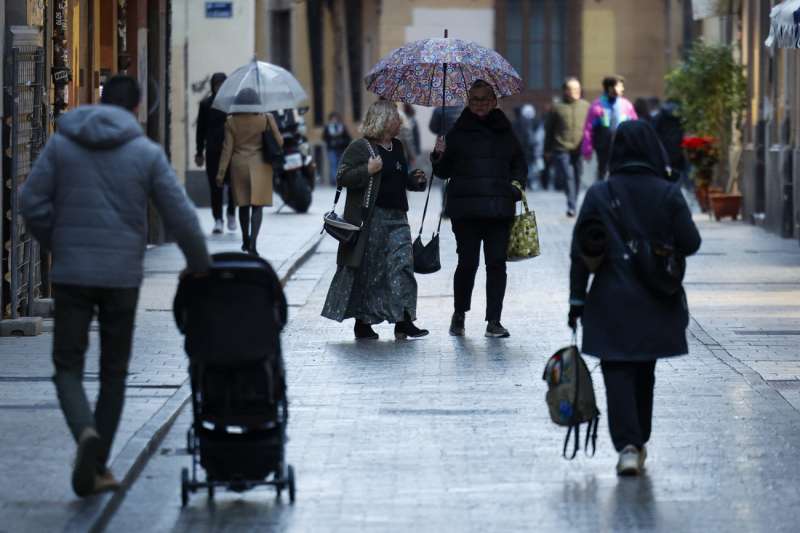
629, 397
569, 167
212, 167
469, 235
74, 308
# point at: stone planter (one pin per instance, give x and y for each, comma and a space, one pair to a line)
702, 191
725, 204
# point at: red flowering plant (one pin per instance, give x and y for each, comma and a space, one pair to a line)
703, 154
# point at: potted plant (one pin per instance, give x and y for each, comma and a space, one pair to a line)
711, 90
703, 154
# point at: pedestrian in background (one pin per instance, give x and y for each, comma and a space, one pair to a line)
210, 136
642, 109
482, 157
530, 134
625, 323
670, 132
374, 280
100, 167
336, 139
563, 138
443, 119
251, 176
409, 133
605, 115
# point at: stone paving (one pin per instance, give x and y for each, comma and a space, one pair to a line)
36, 450
447, 434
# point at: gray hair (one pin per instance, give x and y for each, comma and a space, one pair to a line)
377, 119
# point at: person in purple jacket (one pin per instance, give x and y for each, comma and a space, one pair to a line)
605, 114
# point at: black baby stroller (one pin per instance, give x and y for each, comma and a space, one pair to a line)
232, 320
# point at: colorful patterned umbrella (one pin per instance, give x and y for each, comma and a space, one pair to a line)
434, 72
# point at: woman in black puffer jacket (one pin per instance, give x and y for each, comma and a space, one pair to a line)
481, 157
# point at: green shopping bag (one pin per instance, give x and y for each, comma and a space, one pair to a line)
524, 240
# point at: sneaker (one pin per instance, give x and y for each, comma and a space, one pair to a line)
231, 222
642, 457
570, 213
85, 468
364, 331
406, 329
217, 227
105, 482
496, 330
457, 325
630, 461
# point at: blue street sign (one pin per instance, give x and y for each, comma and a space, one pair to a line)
219, 10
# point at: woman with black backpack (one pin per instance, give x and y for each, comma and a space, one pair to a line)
635, 312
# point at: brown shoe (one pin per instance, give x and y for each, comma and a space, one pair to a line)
84, 470
105, 482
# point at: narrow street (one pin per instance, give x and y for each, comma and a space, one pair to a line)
448, 434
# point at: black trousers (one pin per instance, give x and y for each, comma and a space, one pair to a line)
629, 400
603, 159
212, 167
74, 309
469, 236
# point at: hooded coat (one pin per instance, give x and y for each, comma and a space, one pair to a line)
481, 158
623, 320
86, 200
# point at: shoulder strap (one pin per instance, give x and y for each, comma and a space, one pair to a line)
369, 185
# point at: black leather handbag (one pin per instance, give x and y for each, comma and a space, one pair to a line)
336, 226
660, 267
426, 256
271, 151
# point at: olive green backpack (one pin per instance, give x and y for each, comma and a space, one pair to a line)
570, 397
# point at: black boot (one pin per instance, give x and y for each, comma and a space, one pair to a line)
246, 244
406, 329
364, 331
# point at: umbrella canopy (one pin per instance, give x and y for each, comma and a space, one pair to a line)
434, 72
259, 87
784, 28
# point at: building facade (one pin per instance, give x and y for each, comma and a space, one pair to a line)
57, 56
767, 158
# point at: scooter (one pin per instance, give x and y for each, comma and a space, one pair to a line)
295, 183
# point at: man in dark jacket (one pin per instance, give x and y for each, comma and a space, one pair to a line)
86, 202
563, 138
210, 138
482, 157
670, 132
627, 324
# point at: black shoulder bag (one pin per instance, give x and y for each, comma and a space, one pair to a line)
271, 151
426, 256
336, 226
660, 267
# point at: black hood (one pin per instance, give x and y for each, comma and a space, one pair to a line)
636, 148
217, 77
496, 120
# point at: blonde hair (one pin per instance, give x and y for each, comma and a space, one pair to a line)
377, 119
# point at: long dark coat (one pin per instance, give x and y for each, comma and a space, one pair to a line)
353, 176
482, 158
623, 320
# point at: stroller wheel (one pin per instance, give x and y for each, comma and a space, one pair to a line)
290, 482
184, 487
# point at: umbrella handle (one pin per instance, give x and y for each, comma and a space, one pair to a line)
444, 90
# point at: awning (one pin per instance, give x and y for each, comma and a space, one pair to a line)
702, 9
784, 29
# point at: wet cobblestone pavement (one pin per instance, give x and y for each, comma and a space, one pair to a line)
446, 434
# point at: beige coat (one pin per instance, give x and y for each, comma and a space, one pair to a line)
251, 177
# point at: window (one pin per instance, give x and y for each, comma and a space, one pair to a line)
281, 39
534, 37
